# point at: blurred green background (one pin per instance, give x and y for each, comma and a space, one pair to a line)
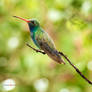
69, 23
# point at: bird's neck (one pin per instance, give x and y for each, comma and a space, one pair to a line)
33, 29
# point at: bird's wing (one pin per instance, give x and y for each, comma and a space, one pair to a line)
43, 37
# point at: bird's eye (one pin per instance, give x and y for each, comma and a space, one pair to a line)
33, 22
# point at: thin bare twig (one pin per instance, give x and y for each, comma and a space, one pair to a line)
35, 49
62, 54
77, 70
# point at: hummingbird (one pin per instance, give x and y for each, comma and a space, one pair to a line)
42, 40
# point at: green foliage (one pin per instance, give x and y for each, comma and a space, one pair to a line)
70, 25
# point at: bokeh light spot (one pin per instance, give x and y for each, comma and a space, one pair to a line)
64, 90
86, 7
54, 15
89, 65
41, 85
13, 42
8, 84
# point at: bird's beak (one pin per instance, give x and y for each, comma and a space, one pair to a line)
21, 18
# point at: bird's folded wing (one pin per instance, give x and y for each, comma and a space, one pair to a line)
43, 37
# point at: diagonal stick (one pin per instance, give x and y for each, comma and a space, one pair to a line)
62, 54
77, 70
35, 49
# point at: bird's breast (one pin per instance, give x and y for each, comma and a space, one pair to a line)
34, 39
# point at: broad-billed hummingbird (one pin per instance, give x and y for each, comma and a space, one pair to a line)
42, 40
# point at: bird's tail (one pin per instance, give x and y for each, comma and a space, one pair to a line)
62, 61
58, 57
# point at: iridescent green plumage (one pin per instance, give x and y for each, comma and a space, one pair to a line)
42, 40
42, 36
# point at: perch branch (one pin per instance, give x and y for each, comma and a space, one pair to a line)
35, 49
62, 54
77, 70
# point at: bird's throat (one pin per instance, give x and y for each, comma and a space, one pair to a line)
32, 29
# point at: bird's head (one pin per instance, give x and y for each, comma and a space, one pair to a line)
33, 24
